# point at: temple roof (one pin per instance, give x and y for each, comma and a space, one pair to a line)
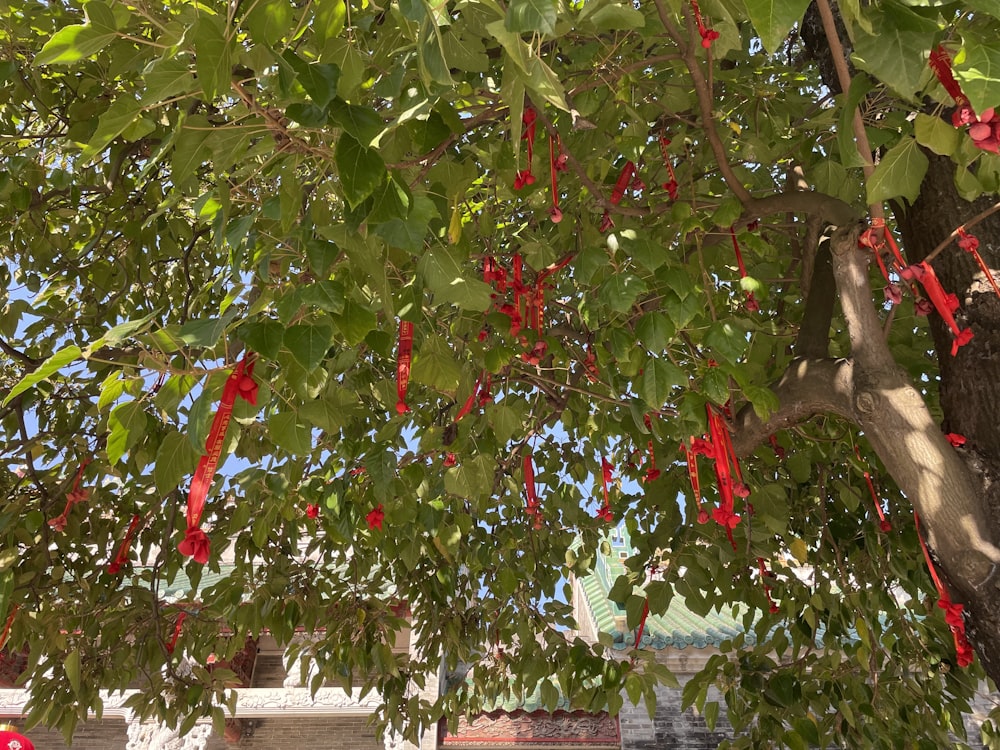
677, 628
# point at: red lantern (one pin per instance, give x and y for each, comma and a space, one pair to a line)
11, 740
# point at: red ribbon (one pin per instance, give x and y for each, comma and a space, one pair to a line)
953, 612
471, 400
707, 35
945, 304
554, 213
765, 574
621, 185
375, 517
645, 613
525, 176
671, 185
74, 496
404, 357
692, 467
177, 632
240, 383
121, 557
7, 625
605, 513
652, 473
940, 63
533, 508
970, 243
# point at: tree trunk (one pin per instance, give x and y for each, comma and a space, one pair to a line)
970, 380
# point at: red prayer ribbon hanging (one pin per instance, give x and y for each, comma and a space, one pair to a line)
707, 35
621, 185
692, 467
239, 383
984, 129
554, 166
671, 185
8, 625
525, 177
652, 473
605, 513
375, 517
121, 557
404, 357
945, 304
177, 632
953, 612
74, 496
533, 508
719, 448
765, 575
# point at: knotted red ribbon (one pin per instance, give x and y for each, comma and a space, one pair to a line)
719, 448
751, 302
605, 513
74, 496
970, 243
707, 35
404, 356
945, 304
239, 383
554, 166
525, 176
953, 612
375, 517
533, 507
121, 557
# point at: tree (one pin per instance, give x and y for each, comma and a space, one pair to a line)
596, 231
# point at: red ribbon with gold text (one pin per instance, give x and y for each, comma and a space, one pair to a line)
121, 557
404, 357
240, 383
532, 507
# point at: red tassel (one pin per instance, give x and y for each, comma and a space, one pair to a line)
533, 508
404, 356
74, 496
953, 612
177, 632
121, 557
945, 304
605, 513
240, 383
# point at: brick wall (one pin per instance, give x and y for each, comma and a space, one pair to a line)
340, 733
670, 729
92, 735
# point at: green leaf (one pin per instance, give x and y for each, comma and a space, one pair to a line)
73, 43
308, 343
621, 291
434, 365
614, 17
263, 336
447, 280
849, 154
773, 19
531, 70
123, 111
165, 78
531, 17
269, 20
363, 123
328, 19
72, 666
324, 295
939, 136
431, 61
127, 425
899, 173
205, 331
175, 459
318, 79
361, 169
655, 331
47, 369
213, 55
289, 434
977, 68
887, 54
658, 379
471, 478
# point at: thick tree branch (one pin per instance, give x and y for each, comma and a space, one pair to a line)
30, 362
831, 210
810, 386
